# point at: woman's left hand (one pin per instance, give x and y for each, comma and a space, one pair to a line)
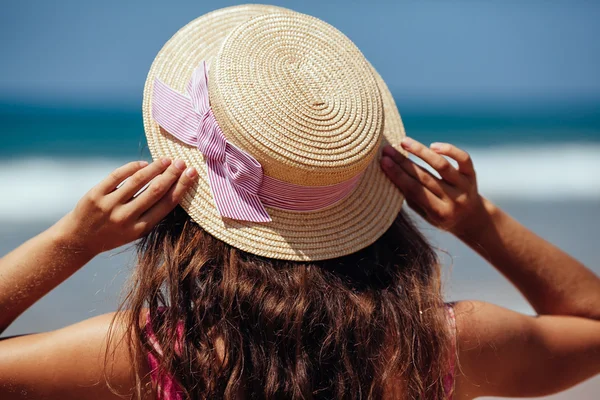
450, 202
111, 214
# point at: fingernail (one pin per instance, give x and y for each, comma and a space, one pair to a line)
191, 172
436, 146
180, 164
143, 163
165, 161
407, 142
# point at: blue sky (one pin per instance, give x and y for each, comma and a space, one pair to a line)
98, 52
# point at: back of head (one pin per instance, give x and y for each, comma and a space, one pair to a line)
230, 324
291, 273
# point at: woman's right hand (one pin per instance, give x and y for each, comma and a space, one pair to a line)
451, 203
121, 209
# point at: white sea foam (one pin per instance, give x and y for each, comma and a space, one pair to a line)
546, 173
38, 188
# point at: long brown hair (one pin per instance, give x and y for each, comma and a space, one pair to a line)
368, 325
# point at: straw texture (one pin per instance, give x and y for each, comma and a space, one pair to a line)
297, 95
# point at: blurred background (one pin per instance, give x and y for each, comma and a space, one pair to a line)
516, 83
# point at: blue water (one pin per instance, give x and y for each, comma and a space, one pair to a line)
540, 151
104, 132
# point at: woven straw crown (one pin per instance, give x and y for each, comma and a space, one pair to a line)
297, 95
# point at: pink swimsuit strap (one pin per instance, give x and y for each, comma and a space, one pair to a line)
168, 389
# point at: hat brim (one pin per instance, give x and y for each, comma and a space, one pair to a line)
340, 229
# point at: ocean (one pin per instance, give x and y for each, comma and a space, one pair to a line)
540, 161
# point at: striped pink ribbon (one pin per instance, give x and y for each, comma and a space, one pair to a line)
240, 189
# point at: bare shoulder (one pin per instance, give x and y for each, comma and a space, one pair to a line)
90, 359
505, 353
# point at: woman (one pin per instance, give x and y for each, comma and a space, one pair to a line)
220, 309
500, 352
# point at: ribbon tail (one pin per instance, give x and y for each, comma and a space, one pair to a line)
234, 202
174, 113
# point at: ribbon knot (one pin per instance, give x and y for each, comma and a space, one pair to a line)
235, 176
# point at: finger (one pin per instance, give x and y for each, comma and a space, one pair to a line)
415, 207
411, 188
465, 164
427, 179
168, 202
437, 162
116, 177
394, 154
137, 181
157, 189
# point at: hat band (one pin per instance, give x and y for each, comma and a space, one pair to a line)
240, 189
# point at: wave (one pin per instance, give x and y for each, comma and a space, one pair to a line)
42, 188
540, 173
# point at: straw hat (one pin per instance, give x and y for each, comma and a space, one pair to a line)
300, 98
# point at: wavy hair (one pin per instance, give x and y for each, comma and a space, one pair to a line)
233, 325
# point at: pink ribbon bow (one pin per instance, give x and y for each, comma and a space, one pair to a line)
235, 176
